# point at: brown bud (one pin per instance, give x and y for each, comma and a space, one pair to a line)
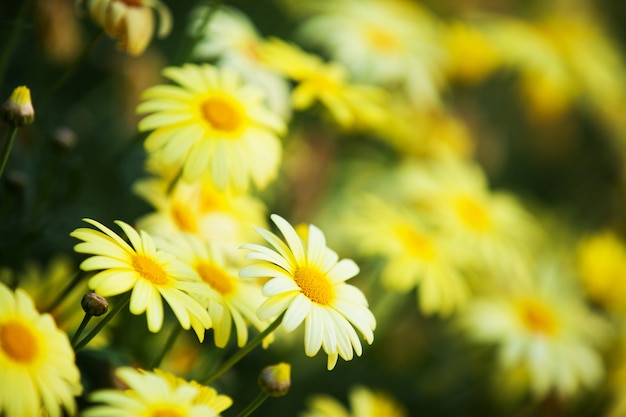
275, 380
94, 304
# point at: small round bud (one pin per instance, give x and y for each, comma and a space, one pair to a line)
275, 380
18, 109
94, 304
64, 137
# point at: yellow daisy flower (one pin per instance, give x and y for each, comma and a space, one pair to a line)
131, 22
363, 403
544, 331
213, 122
415, 253
37, 363
151, 274
349, 104
602, 268
230, 300
156, 394
200, 209
307, 283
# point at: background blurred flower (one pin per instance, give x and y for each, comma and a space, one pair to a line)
364, 402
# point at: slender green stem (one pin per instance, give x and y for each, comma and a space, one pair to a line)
121, 304
185, 52
54, 304
260, 399
7, 149
71, 70
168, 345
241, 353
81, 327
12, 38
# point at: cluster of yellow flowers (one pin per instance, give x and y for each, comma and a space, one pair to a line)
356, 122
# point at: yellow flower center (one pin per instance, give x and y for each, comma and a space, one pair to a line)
133, 3
537, 317
184, 218
18, 342
417, 244
150, 270
381, 39
473, 214
216, 277
223, 114
166, 411
315, 285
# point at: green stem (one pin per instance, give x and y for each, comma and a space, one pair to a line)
260, 399
168, 345
225, 366
186, 51
80, 329
72, 69
7, 149
54, 304
121, 304
12, 39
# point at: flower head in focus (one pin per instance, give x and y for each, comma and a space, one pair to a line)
131, 22
350, 105
37, 363
18, 109
364, 402
151, 274
212, 122
307, 283
155, 394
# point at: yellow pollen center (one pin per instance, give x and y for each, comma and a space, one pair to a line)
417, 244
132, 3
381, 39
315, 285
184, 218
166, 411
222, 114
150, 270
473, 214
537, 317
216, 277
18, 342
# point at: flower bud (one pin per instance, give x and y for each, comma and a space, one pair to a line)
275, 380
18, 110
94, 304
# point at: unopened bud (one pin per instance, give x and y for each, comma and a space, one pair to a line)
94, 304
18, 109
275, 380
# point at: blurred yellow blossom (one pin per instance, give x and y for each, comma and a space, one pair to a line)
364, 402
213, 122
131, 22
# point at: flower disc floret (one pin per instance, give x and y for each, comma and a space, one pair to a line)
307, 284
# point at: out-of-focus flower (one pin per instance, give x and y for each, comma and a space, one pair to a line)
415, 254
350, 105
157, 394
232, 40
602, 268
392, 43
18, 109
59, 33
131, 22
37, 363
212, 122
471, 57
544, 331
364, 402
230, 300
491, 229
151, 274
198, 208
307, 283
